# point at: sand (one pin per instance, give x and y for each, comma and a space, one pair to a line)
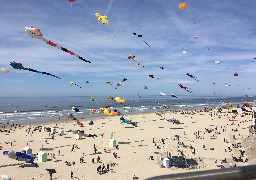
135, 146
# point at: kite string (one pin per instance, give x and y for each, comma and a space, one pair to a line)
109, 6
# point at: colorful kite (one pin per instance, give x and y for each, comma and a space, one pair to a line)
119, 84
36, 33
183, 5
101, 18
140, 36
119, 100
73, 83
185, 88
193, 77
4, 70
75, 109
195, 37
20, 67
108, 82
132, 57
93, 100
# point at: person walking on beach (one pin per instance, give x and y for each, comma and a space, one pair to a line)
98, 159
93, 160
71, 174
59, 152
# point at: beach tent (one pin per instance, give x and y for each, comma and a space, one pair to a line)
112, 143
42, 156
27, 150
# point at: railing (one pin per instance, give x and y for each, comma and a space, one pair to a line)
243, 172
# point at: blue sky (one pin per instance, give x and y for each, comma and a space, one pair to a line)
226, 27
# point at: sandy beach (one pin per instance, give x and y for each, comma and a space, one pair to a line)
209, 136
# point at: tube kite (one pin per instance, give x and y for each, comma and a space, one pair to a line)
193, 77
20, 67
185, 88
4, 70
140, 36
36, 33
132, 57
73, 83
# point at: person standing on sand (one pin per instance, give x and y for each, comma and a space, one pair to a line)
93, 160
71, 174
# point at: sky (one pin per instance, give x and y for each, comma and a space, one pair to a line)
227, 27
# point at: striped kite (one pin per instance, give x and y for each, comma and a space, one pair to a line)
20, 67
36, 33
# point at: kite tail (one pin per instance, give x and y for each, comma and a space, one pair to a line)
146, 43
64, 49
49, 74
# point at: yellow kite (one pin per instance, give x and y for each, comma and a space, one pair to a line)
101, 18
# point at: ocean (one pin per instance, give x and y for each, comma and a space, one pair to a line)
39, 109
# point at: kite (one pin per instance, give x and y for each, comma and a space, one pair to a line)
20, 67
209, 49
93, 100
195, 37
72, 83
185, 88
119, 100
36, 33
174, 96
119, 84
75, 109
132, 57
162, 68
157, 103
142, 39
151, 76
162, 94
4, 70
165, 106
192, 76
87, 82
101, 18
110, 97
217, 62
124, 80
183, 5
72, 1
108, 82
236, 74
184, 52
145, 87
